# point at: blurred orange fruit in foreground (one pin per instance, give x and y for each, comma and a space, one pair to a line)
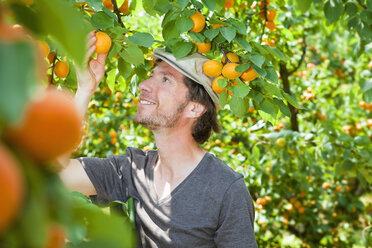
56, 236
11, 188
51, 126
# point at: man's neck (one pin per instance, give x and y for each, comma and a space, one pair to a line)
178, 152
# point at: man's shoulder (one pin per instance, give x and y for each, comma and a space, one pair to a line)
220, 172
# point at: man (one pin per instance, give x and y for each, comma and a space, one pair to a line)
183, 195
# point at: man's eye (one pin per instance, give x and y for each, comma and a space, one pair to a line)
166, 80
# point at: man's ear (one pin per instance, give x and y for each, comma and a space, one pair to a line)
195, 109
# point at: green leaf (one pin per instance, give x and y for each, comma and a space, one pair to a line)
353, 23
272, 75
228, 32
283, 107
171, 16
170, 31
367, 95
239, 106
369, 4
183, 3
243, 43
333, 9
365, 32
58, 19
260, 72
16, 88
257, 59
132, 54
366, 16
271, 89
211, 33
266, 116
101, 20
275, 52
291, 100
181, 49
197, 37
222, 83
142, 39
239, 26
163, 6
302, 6
110, 80
211, 4
268, 106
351, 9
184, 24
125, 68
242, 67
240, 90
361, 140
197, 4
365, 85
223, 98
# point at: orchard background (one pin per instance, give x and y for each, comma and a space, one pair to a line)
299, 128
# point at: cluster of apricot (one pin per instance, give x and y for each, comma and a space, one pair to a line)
225, 70
365, 106
61, 68
267, 14
261, 202
308, 94
320, 116
279, 127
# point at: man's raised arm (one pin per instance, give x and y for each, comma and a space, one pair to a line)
72, 172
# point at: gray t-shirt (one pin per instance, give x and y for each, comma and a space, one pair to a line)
210, 208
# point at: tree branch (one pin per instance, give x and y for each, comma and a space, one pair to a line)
117, 12
302, 56
364, 6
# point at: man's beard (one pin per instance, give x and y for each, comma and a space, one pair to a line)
159, 120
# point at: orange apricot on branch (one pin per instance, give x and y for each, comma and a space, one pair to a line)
217, 25
270, 25
103, 42
233, 57
249, 75
61, 69
108, 4
51, 126
212, 68
229, 71
124, 8
215, 87
270, 15
229, 4
11, 188
199, 22
203, 47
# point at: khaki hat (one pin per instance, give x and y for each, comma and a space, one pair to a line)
192, 67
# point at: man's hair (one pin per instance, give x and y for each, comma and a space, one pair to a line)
202, 128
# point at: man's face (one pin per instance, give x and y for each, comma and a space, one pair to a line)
163, 98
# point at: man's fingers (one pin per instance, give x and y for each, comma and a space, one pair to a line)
101, 57
90, 52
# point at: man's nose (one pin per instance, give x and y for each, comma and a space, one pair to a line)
145, 85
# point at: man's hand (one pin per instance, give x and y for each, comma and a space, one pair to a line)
93, 70
90, 75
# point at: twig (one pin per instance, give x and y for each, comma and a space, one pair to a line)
302, 56
220, 48
364, 6
117, 12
